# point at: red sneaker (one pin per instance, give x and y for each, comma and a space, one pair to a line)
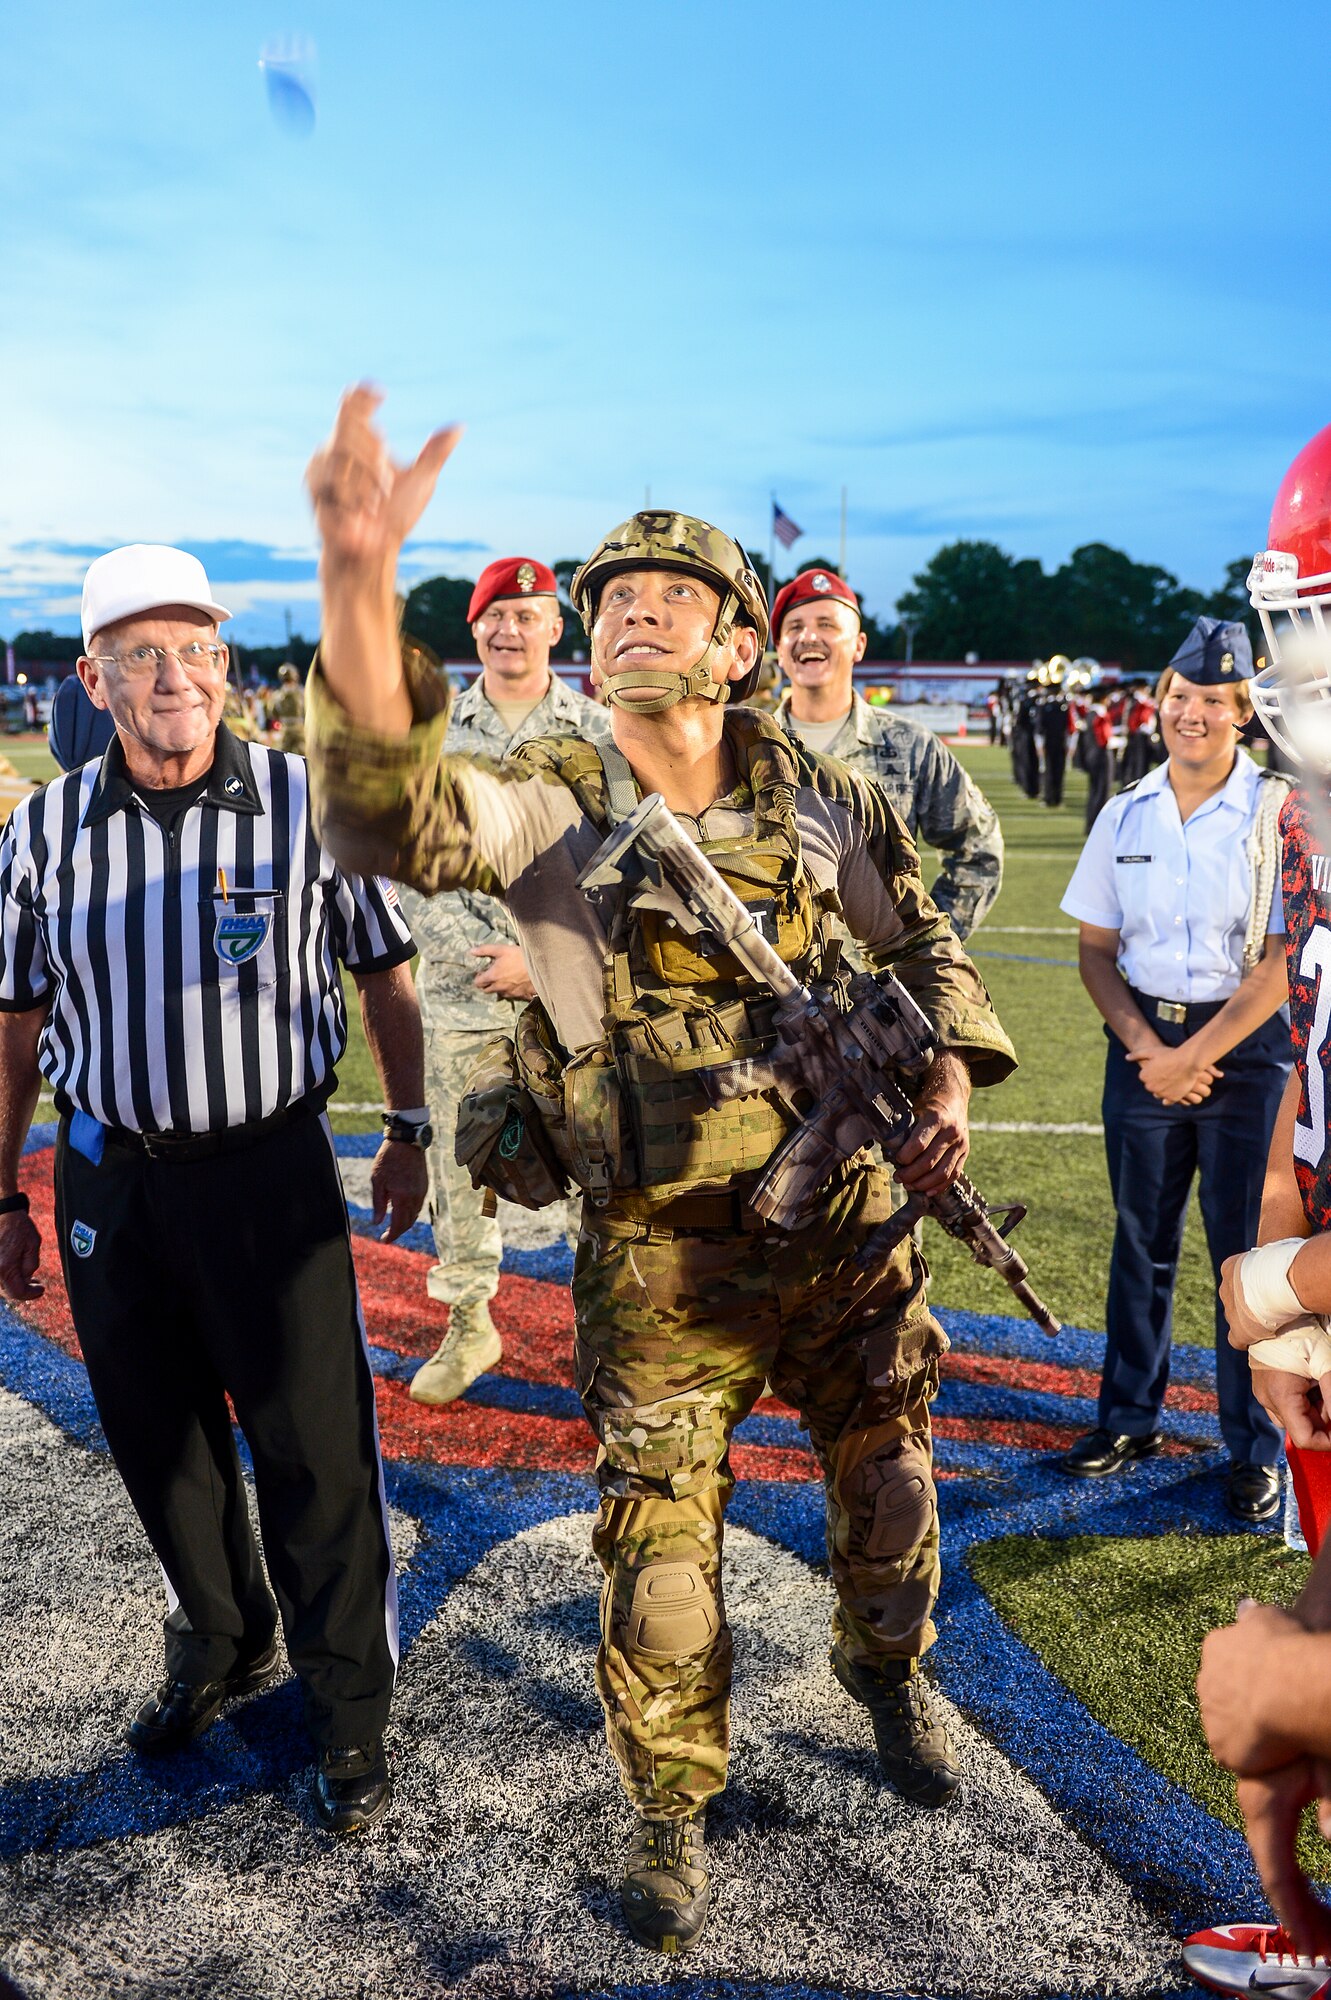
1247, 1959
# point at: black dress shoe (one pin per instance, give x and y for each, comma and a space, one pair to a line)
1102, 1452
353, 1788
181, 1710
1253, 1492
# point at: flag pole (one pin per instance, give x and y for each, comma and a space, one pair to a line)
771, 545
841, 571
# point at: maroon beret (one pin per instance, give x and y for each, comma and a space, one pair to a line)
511, 576
808, 584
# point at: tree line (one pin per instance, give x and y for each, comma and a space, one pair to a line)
975, 598
971, 597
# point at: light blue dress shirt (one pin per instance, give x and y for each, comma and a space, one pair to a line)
1178, 892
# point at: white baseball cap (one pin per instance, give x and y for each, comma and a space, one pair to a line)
141, 577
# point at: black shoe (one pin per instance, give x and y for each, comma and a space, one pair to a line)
1102, 1452
1253, 1492
353, 1788
916, 1753
180, 1710
666, 1885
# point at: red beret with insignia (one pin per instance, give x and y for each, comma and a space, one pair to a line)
511, 576
811, 583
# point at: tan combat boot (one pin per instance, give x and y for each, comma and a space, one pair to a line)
470, 1346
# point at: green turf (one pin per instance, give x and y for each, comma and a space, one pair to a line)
1121, 1624
29, 756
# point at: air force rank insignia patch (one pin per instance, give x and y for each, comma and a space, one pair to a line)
238, 936
81, 1239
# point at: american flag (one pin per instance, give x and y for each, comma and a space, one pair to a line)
784, 528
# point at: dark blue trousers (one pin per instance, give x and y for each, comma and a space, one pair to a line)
1154, 1151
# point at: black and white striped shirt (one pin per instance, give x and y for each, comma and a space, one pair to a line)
172, 1007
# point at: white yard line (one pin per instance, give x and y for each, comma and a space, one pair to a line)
1027, 1125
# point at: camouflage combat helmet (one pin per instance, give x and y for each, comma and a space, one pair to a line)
289, 673
657, 539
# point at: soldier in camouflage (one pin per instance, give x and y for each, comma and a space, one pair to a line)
237, 716
471, 978
288, 710
685, 1300
819, 640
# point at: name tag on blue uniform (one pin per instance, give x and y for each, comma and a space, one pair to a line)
1124, 859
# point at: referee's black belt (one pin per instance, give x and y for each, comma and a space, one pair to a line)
186, 1146
1179, 1013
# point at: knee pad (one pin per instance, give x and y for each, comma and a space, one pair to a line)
896, 1490
674, 1612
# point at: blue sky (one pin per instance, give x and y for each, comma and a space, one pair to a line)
1041, 273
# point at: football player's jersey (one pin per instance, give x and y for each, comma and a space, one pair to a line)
1306, 887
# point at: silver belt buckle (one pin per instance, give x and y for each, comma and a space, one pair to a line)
1171, 1010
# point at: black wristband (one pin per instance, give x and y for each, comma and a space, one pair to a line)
406, 1133
14, 1204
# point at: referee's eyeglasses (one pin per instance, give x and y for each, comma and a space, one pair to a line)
199, 659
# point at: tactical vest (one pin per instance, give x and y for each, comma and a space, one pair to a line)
634, 1112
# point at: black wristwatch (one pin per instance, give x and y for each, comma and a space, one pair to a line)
406, 1132
15, 1204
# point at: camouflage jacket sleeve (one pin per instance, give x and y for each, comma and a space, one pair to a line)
904, 931
401, 807
956, 818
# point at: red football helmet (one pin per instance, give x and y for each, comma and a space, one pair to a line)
1290, 588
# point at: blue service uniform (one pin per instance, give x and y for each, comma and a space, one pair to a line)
1179, 894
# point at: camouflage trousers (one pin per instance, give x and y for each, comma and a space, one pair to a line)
467, 1244
676, 1332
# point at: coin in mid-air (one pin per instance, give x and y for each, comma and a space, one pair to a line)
288, 66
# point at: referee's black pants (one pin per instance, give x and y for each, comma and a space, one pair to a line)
233, 1276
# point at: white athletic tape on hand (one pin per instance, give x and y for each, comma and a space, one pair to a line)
1302, 1349
1264, 1282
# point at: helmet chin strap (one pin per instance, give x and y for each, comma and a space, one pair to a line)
695, 680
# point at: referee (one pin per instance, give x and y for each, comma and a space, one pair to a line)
170, 931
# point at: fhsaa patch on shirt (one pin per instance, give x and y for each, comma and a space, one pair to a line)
82, 1236
240, 934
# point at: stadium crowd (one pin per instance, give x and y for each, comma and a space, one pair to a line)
174, 911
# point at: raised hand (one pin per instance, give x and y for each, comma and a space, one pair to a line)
365, 505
